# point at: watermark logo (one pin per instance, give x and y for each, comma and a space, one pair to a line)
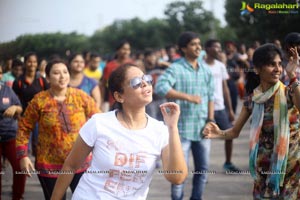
270, 8
246, 9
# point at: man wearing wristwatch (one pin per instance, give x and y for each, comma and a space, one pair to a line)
191, 85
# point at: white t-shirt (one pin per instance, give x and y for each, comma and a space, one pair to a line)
123, 160
220, 74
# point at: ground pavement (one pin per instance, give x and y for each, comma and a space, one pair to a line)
220, 186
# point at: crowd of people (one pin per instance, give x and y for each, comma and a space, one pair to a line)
101, 127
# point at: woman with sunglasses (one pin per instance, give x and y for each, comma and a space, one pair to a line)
60, 111
126, 143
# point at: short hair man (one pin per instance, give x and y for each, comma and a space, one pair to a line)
190, 85
222, 97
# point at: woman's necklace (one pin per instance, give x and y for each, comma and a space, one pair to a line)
127, 122
124, 119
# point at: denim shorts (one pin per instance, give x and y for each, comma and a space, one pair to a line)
222, 119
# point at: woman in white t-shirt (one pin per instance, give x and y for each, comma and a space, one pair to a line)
125, 144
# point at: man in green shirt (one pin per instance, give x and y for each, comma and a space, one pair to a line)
190, 85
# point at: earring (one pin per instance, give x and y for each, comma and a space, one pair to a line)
255, 71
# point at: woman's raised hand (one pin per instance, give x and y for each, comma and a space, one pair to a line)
170, 112
293, 63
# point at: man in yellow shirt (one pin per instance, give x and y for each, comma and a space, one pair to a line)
92, 70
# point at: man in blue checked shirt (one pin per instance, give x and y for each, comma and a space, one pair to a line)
190, 85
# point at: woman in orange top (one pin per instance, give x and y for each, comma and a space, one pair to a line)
60, 112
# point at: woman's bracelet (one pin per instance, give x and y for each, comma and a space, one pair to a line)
293, 80
223, 133
294, 85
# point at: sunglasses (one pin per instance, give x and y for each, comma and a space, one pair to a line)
137, 81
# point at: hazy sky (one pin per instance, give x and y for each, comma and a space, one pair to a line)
18, 17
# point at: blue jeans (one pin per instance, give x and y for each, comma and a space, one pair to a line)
200, 151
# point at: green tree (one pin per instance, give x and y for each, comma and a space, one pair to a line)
180, 16
45, 44
155, 33
140, 34
260, 24
226, 33
7, 49
189, 16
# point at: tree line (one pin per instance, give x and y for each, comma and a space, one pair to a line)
157, 33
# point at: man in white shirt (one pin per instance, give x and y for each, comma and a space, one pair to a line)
223, 117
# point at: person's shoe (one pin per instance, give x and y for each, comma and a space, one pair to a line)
229, 167
157, 165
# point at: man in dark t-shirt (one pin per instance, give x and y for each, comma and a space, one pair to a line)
26, 90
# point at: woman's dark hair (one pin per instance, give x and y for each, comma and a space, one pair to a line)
184, 40
41, 59
73, 56
29, 54
51, 63
292, 39
263, 55
252, 81
121, 44
116, 81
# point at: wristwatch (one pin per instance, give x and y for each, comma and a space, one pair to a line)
210, 120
